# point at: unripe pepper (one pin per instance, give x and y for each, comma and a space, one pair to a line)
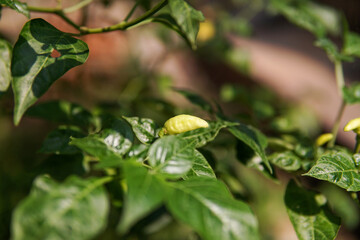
182, 123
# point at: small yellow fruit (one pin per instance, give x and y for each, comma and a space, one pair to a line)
206, 31
183, 123
324, 138
352, 125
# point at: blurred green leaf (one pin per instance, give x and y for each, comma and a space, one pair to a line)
351, 44
286, 160
201, 136
196, 99
62, 112
49, 54
18, 6
338, 168
139, 152
5, 60
187, 18
351, 93
145, 192
214, 213
331, 50
171, 156
76, 209
200, 167
253, 138
309, 216
58, 141
144, 128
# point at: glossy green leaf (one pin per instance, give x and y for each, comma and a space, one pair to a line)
144, 128
187, 18
18, 6
145, 192
352, 44
75, 209
201, 136
139, 152
351, 93
311, 218
58, 141
338, 168
196, 99
62, 112
200, 167
253, 138
171, 156
286, 160
41, 55
214, 213
106, 145
5, 60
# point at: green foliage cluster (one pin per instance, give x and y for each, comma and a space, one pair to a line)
119, 167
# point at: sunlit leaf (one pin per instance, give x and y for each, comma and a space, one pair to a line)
338, 168
214, 213
200, 168
286, 160
18, 6
311, 218
144, 128
75, 209
5, 60
41, 55
145, 192
171, 156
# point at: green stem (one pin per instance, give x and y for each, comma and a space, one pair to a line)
77, 6
131, 11
336, 125
357, 146
339, 77
125, 25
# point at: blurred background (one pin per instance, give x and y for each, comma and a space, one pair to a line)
249, 56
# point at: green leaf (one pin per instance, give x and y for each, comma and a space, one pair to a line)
171, 156
17, 6
106, 145
200, 168
286, 160
253, 138
338, 168
49, 54
144, 128
62, 112
331, 50
187, 18
58, 141
145, 192
75, 209
214, 214
196, 99
351, 93
139, 152
5, 59
201, 136
352, 44
308, 214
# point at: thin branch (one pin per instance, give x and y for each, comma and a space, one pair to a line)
336, 125
77, 6
131, 11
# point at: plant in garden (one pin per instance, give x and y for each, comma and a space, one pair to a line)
132, 169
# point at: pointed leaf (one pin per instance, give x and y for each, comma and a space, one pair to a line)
309, 216
338, 168
200, 168
201, 136
17, 6
253, 138
75, 209
171, 156
214, 214
145, 193
41, 55
144, 128
187, 18
5, 59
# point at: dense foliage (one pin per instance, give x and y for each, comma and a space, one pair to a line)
116, 166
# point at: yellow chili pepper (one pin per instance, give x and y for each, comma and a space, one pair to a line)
324, 138
353, 125
182, 123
